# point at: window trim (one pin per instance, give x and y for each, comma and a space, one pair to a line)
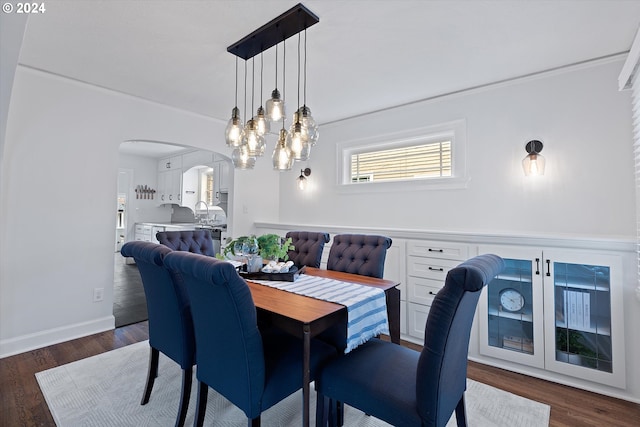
454, 131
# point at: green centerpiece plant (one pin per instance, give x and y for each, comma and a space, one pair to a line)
271, 246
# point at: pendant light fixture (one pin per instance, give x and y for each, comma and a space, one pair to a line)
275, 104
251, 143
533, 163
309, 126
262, 123
233, 131
297, 141
251, 137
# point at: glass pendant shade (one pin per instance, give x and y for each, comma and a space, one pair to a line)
533, 164
253, 140
275, 107
282, 158
296, 141
233, 131
309, 126
241, 158
262, 124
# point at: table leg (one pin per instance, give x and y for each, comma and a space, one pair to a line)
306, 374
393, 313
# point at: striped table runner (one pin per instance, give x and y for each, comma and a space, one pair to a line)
366, 305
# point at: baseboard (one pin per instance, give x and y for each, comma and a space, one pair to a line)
37, 340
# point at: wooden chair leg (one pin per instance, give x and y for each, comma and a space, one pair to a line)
154, 357
322, 410
339, 408
461, 413
201, 404
187, 375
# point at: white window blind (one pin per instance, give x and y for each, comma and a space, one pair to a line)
426, 160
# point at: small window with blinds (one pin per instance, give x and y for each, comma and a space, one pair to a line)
420, 161
431, 157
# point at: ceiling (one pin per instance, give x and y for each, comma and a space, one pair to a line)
363, 55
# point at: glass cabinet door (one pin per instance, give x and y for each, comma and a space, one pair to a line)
510, 312
584, 328
583, 315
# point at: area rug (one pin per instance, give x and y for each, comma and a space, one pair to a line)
105, 390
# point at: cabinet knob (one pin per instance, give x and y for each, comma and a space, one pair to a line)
170, 196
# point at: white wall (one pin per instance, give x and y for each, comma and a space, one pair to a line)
59, 175
587, 190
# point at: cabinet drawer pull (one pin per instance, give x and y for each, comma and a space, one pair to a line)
538, 266
436, 250
432, 293
436, 269
548, 267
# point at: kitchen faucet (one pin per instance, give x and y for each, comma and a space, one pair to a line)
195, 210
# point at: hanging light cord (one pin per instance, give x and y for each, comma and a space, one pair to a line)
261, 70
298, 75
305, 68
253, 80
277, 68
245, 89
236, 82
284, 71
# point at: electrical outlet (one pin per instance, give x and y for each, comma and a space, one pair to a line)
98, 294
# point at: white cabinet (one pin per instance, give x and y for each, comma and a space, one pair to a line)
428, 263
556, 310
170, 163
220, 181
142, 232
170, 186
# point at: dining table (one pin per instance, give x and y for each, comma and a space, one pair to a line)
306, 317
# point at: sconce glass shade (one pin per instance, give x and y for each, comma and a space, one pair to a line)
302, 179
309, 126
533, 164
253, 140
241, 158
282, 158
262, 124
275, 107
233, 131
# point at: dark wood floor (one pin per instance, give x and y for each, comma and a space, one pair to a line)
22, 403
129, 302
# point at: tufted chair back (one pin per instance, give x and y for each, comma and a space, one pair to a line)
194, 241
308, 247
170, 323
362, 254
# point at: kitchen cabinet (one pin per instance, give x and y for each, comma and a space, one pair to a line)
170, 163
170, 186
428, 263
220, 181
557, 310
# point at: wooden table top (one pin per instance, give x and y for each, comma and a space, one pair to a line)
306, 309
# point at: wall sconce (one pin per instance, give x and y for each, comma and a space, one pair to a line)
533, 164
302, 179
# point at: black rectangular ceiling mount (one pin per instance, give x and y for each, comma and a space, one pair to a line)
290, 23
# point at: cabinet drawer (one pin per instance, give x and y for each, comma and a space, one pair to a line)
430, 268
422, 291
143, 229
417, 314
442, 250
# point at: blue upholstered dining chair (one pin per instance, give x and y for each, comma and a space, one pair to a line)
195, 241
170, 325
404, 387
308, 246
362, 254
254, 370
